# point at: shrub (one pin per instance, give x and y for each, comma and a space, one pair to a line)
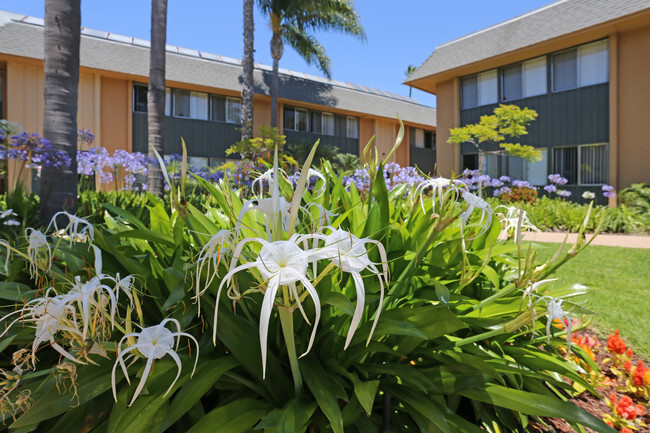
464, 339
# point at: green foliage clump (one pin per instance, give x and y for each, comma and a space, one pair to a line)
636, 198
562, 215
461, 344
261, 148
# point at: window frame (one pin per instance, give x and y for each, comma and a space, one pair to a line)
347, 127
296, 121
579, 157
477, 76
577, 51
228, 100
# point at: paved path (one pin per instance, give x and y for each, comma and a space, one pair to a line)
609, 240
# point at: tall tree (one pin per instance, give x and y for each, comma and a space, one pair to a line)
156, 92
249, 65
409, 71
61, 54
291, 23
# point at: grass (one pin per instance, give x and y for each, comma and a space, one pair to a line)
620, 278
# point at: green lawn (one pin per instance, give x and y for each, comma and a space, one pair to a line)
621, 296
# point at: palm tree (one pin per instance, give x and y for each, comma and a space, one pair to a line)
409, 71
291, 22
249, 65
61, 55
156, 92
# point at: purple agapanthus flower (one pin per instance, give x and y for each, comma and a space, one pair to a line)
550, 188
557, 179
564, 193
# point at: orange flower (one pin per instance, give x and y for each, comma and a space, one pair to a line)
639, 372
626, 430
615, 344
646, 377
626, 409
627, 366
629, 353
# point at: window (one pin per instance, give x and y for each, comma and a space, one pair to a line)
199, 105
511, 83
487, 87
470, 161
193, 105
593, 63
140, 98
181, 103
168, 101
328, 124
524, 79
534, 76
217, 108
316, 122
429, 140
582, 165
537, 172
480, 89
289, 118
233, 110
469, 97
198, 161
352, 127
302, 124
419, 138
582, 66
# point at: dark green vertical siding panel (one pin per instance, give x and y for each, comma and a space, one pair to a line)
203, 138
345, 145
578, 116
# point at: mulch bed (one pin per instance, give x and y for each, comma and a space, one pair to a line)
594, 405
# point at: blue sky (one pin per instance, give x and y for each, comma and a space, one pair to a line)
399, 33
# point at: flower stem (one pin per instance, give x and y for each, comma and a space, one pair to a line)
286, 319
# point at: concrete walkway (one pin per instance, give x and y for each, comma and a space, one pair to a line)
608, 240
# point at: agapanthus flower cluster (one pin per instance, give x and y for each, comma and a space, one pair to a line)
394, 176
563, 193
85, 137
608, 191
557, 179
36, 151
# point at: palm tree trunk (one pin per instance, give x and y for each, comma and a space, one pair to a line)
277, 48
249, 65
156, 93
61, 53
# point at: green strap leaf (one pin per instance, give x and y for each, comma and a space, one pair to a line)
536, 404
317, 380
237, 417
365, 392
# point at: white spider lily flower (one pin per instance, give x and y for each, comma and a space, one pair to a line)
349, 253
510, 220
210, 254
122, 285
266, 176
38, 251
86, 294
12, 222
312, 172
476, 202
555, 311
77, 228
325, 215
49, 316
7, 213
533, 289
441, 188
281, 263
153, 343
267, 207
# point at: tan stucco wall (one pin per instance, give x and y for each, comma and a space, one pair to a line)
366, 132
448, 116
115, 114
633, 88
89, 111
402, 152
385, 138
261, 113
